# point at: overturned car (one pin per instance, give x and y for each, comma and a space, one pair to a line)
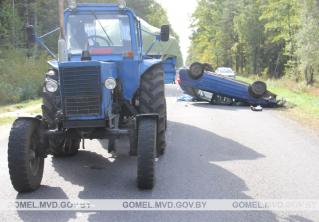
204, 85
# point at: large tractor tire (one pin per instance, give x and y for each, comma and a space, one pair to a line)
60, 145
24, 159
146, 151
152, 100
49, 110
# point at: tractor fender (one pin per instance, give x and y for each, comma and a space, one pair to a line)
147, 64
42, 134
37, 119
153, 116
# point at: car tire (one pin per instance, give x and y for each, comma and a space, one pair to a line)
196, 70
258, 89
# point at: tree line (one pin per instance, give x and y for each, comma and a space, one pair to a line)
15, 15
273, 38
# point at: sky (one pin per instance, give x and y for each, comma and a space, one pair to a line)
179, 13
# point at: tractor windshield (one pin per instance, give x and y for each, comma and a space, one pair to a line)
101, 34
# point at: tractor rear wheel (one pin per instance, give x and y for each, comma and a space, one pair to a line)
146, 149
61, 145
24, 159
152, 100
50, 109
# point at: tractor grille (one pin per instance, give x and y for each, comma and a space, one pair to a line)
81, 91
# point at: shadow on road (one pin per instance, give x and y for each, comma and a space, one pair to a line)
296, 218
187, 170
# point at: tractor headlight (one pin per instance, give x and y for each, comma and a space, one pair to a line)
51, 73
51, 86
110, 83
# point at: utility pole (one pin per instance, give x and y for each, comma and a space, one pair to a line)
26, 12
36, 49
26, 17
13, 25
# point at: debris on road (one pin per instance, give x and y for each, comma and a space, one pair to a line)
185, 98
256, 108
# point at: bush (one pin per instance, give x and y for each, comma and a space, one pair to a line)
20, 77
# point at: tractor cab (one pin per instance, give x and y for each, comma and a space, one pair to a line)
101, 32
105, 32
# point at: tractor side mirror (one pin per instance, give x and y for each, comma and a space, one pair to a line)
30, 34
165, 30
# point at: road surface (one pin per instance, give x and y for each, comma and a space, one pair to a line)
213, 152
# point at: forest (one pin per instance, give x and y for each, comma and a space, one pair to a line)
269, 38
22, 65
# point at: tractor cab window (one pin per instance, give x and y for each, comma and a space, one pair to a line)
101, 34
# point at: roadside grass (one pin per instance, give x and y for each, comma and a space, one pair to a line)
7, 120
8, 113
29, 104
302, 101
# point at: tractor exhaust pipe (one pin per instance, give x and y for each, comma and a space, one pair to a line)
62, 47
61, 18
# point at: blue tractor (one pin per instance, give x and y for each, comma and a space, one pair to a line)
100, 86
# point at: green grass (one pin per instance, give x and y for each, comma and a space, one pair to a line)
21, 77
302, 100
30, 107
6, 120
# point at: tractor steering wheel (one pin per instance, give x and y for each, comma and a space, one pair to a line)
99, 37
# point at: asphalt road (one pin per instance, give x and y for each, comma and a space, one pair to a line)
213, 152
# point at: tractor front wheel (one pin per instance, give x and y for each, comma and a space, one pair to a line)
146, 149
24, 158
